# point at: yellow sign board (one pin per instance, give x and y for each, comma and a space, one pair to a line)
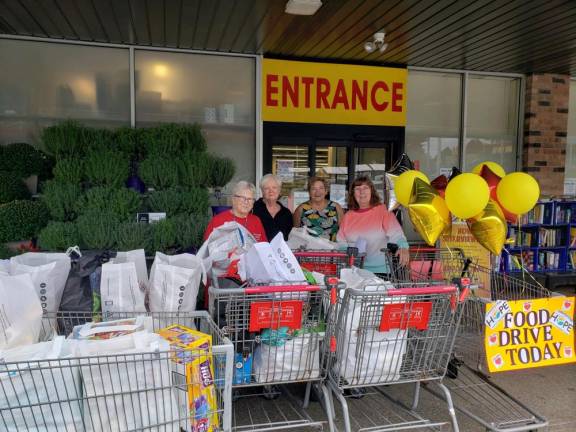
529, 333
460, 237
307, 92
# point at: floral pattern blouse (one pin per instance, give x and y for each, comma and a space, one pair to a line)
324, 222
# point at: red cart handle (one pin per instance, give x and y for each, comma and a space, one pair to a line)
440, 289
270, 289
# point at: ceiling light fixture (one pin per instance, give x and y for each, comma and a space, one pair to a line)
376, 44
303, 7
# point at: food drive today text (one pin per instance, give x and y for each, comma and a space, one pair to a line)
320, 93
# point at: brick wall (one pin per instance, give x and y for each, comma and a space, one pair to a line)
545, 127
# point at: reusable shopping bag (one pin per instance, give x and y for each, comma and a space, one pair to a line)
174, 282
20, 311
300, 238
4, 267
46, 382
138, 257
120, 290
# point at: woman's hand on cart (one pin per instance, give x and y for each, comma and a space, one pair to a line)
403, 255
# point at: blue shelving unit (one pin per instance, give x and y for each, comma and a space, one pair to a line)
545, 239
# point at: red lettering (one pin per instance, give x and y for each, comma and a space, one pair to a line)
307, 81
322, 92
289, 91
340, 97
397, 95
271, 90
360, 95
380, 85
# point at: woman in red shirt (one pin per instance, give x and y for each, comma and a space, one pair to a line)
243, 197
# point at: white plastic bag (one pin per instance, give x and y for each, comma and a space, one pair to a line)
138, 257
120, 290
20, 311
127, 386
368, 355
174, 282
272, 262
296, 359
111, 329
4, 267
49, 272
300, 238
47, 382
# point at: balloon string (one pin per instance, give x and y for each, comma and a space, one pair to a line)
524, 270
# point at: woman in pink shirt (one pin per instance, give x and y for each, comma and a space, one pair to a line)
368, 220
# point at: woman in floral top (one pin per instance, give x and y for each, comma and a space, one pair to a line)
320, 215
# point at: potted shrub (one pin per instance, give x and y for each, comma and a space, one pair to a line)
133, 235
69, 170
12, 188
159, 172
65, 139
163, 236
222, 170
25, 162
58, 236
107, 168
97, 230
60, 199
122, 203
21, 221
190, 230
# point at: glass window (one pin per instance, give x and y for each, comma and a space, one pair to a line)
570, 170
332, 164
43, 83
218, 92
491, 121
290, 163
433, 120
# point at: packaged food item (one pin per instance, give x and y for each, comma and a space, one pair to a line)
111, 329
193, 355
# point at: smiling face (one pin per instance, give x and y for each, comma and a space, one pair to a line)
317, 192
363, 194
242, 203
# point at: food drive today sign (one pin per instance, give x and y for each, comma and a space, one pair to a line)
306, 92
529, 333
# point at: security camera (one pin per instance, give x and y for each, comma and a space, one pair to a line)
379, 37
378, 43
369, 46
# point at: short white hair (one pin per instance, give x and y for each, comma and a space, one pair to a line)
242, 186
268, 178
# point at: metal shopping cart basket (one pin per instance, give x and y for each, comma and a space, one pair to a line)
472, 391
46, 387
329, 262
385, 335
277, 331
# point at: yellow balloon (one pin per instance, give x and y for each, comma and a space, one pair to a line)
518, 192
494, 167
404, 183
428, 211
466, 195
489, 227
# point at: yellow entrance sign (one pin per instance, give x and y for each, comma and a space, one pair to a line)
307, 92
529, 333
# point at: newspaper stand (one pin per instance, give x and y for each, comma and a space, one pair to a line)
385, 335
472, 392
277, 331
329, 262
114, 392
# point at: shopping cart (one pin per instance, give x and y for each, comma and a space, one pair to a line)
472, 392
329, 262
277, 331
50, 388
388, 335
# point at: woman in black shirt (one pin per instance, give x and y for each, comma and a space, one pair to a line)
274, 216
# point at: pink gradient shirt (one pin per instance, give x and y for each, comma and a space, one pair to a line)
378, 227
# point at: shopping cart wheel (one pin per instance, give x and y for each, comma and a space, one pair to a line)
355, 393
453, 365
271, 392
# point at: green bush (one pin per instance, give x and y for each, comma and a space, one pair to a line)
124, 203
178, 200
97, 230
164, 236
107, 168
133, 235
58, 236
69, 171
222, 169
22, 220
173, 139
64, 139
12, 188
60, 199
190, 229
6, 253
22, 159
97, 140
126, 140
195, 170
159, 172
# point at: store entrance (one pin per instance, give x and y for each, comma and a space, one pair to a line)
338, 153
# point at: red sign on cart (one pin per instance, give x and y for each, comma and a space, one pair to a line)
324, 268
275, 314
406, 315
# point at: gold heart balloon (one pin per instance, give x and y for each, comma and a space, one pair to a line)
489, 227
390, 195
428, 211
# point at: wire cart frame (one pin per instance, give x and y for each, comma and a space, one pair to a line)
130, 390
329, 262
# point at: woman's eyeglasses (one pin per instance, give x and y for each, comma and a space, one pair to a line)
245, 199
